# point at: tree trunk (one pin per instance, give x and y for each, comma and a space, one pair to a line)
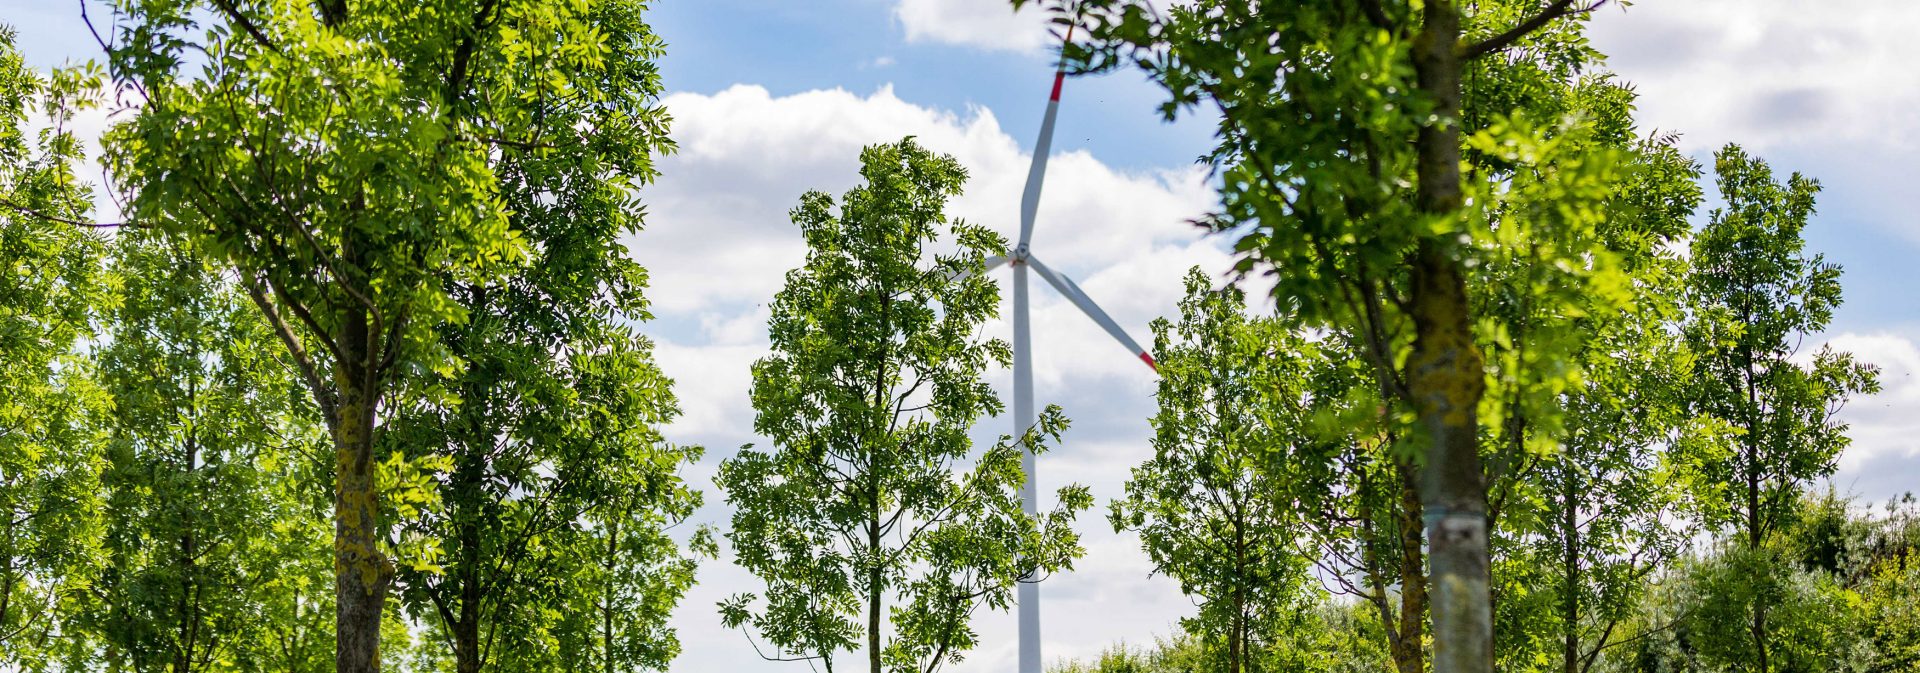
360, 571
606, 609
466, 628
1570, 560
1237, 640
1446, 373
1409, 657
186, 606
873, 591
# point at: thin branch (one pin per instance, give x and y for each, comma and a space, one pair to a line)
301, 359
227, 7
41, 215
1559, 8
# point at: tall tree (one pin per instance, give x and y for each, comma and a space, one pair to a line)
1359, 503
52, 284
866, 521
558, 467
1583, 393
1342, 143
1755, 295
1234, 397
208, 416
343, 159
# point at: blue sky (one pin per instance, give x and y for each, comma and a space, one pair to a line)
774, 97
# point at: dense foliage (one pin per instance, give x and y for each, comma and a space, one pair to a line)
363, 381
871, 520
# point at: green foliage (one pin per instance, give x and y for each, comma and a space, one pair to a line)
876, 378
52, 285
211, 485
1836, 582
551, 429
1755, 295
1233, 399
1175, 655
353, 163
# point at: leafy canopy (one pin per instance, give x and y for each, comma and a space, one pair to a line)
869, 500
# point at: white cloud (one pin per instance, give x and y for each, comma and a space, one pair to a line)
1770, 72
1885, 425
719, 243
719, 236
986, 24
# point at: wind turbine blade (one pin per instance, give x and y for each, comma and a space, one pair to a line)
1037, 173
1073, 294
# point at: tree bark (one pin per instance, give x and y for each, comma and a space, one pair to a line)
466, 627
1570, 560
1408, 656
1446, 372
1756, 535
360, 571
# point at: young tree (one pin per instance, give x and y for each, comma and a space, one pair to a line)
52, 285
208, 449
1599, 516
1234, 400
1359, 504
1342, 133
866, 521
1585, 378
1755, 296
343, 159
560, 481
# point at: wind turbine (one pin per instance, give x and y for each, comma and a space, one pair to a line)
1021, 259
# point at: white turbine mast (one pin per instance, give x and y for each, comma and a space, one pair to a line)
1021, 258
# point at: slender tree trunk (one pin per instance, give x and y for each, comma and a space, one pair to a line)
1755, 536
1570, 561
1447, 374
360, 572
466, 629
606, 610
1410, 657
1237, 640
874, 596
189, 621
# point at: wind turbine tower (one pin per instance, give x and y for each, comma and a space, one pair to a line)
1021, 258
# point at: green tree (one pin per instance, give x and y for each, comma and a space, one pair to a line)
874, 383
1233, 397
1755, 294
1343, 131
1599, 516
1587, 396
560, 482
211, 448
344, 160
52, 284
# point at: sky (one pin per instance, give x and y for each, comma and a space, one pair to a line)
772, 98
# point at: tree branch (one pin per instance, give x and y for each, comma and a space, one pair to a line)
233, 13
321, 394
41, 215
1559, 8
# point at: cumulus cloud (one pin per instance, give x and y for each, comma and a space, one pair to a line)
1885, 427
719, 242
1770, 72
986, 24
